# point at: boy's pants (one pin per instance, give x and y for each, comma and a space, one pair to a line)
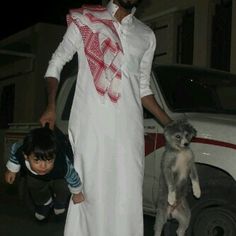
42, 191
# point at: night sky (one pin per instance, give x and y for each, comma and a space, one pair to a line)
19, 15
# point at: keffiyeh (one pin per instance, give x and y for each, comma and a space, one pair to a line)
102, 47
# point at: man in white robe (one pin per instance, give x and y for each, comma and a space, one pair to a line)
115, 52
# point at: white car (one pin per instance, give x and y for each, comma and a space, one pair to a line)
207, 98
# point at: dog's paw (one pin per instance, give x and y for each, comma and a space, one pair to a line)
196, 189
171, 198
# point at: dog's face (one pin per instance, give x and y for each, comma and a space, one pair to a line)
179, 134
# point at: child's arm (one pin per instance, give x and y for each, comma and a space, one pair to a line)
12, 165
74, 183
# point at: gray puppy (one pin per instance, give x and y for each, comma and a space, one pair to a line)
177, 166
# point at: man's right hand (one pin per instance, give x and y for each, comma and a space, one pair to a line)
49, 116
10, 177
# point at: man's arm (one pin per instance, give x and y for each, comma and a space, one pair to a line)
63, 54
149, 102
147, 98
49, 115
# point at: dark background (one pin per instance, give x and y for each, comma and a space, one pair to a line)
19, 15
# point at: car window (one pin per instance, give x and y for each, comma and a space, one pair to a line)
195, 90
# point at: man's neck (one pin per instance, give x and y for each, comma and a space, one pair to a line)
121, 12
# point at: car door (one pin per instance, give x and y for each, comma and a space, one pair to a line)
149, 171
154, 147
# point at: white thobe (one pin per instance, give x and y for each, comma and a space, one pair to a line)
107, 138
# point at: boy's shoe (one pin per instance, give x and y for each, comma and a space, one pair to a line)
39, 216
60, 214
42, 211
59, 211
59, 208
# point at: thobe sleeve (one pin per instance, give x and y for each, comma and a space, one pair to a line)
64, 53
146, 66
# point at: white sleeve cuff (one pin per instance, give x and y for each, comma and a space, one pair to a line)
75, 190
12, 167
53, 71
146, 92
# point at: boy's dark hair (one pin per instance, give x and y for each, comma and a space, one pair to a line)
41, 142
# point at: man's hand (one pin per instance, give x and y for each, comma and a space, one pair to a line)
78, 198
10, 177
49, 116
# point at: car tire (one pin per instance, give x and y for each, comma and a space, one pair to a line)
214, 214
214, 221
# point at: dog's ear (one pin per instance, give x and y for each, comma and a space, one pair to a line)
194, 131
191, 129
167, 131
185, 123
183, 120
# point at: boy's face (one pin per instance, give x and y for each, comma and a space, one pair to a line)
41, 167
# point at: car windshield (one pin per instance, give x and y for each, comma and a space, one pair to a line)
188, 89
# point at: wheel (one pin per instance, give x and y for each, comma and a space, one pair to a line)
214, 221
214, 213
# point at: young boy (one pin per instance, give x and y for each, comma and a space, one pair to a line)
44, 160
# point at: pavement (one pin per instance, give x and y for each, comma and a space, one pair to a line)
16, 218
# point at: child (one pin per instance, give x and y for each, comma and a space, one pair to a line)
44, 159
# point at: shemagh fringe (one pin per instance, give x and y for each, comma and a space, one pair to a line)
102, 48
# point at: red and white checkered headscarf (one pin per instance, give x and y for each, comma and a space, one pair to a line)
102, 47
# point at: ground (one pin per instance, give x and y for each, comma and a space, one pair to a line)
17, 219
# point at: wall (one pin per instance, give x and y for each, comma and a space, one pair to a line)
30, 97
157, 10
